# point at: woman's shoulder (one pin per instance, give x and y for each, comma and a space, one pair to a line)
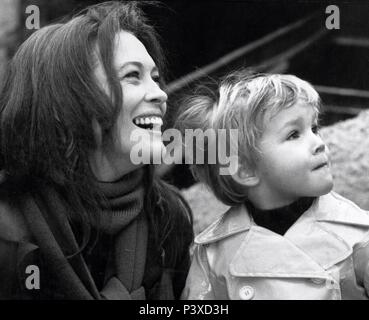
175, 202
16, 248
177, 218
13, 226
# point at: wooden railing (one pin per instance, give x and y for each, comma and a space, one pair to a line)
268, 54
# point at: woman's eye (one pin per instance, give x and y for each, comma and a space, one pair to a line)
293, 135
156, 78
132, 74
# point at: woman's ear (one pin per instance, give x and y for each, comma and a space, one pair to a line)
246, 177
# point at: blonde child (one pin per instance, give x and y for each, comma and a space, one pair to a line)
287, 235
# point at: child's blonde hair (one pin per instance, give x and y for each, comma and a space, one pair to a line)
242, 101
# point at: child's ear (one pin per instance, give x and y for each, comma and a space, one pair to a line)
246, 177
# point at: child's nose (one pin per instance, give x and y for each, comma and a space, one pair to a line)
319, 147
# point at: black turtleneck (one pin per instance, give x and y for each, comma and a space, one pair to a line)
279, 220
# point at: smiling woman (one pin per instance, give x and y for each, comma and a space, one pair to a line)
143, 100
92, 224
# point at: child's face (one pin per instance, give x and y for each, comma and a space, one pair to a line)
294, 161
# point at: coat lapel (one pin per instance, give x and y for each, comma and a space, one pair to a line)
329, 229
267, 254
319, 243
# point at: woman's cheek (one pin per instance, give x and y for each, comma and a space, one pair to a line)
157, 149
124, 142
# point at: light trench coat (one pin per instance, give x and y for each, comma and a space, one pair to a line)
324, 255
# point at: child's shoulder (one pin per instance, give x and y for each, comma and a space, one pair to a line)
334, 207
342, 217
233, 221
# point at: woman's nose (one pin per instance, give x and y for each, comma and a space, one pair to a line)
155, 94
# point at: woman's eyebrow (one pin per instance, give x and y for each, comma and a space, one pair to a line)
137, 64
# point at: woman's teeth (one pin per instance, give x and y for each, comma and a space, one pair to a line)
148, 122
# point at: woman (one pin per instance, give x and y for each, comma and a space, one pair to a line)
78, 219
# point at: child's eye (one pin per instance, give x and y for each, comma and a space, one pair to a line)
293, 135
315, 128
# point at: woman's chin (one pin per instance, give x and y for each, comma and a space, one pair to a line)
152, 152
144, 147
156, 151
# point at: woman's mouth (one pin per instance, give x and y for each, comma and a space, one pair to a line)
153, 123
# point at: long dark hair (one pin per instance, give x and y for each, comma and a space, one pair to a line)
50, 96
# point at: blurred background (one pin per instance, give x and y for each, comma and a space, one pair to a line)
204, 40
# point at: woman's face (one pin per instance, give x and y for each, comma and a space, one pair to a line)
144, 103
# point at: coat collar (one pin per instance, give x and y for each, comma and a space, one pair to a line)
337, 209
299, 252
233, 221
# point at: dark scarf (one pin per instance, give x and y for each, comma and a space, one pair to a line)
121, 217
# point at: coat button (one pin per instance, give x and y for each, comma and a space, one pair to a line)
247, 293
317, 280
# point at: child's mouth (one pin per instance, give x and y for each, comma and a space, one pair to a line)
322, 165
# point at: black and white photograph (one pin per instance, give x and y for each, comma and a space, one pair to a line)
182, 151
